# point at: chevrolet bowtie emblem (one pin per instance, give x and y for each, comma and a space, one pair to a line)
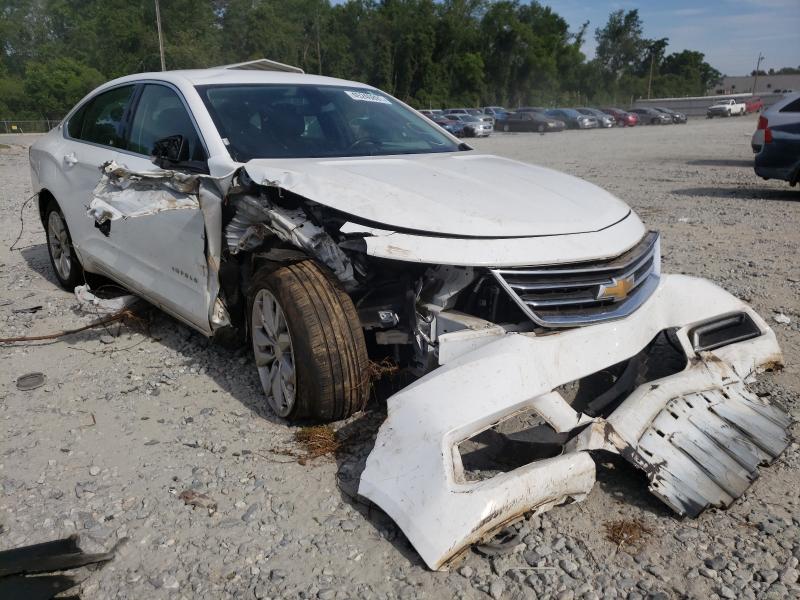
617, 291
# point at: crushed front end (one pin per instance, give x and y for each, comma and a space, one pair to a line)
692, 426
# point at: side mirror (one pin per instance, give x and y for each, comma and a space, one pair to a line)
170, 150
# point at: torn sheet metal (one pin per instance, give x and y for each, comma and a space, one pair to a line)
90, 303
122, 193
414, 471
256, 220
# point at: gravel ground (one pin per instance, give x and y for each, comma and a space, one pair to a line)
131, 416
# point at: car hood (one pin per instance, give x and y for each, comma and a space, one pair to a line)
456, 194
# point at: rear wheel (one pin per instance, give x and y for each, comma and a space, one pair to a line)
67, 267
308, 344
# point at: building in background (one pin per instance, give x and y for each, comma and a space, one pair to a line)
767, 84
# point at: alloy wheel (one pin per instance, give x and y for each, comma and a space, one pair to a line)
59, 245
274, 355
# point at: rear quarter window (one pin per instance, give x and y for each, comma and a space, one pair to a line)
101, 119
792, 107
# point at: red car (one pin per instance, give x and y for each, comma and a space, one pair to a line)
624, 119
754, 104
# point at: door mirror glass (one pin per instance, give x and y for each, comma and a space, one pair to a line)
170, 150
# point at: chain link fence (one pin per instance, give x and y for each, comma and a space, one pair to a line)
27, 126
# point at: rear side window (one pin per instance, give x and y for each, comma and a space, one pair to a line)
159, 114
792, 106
101, 120
76, 122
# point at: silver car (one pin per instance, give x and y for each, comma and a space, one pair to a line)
603, 119
480, 126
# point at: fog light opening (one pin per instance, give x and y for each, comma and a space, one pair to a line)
723, 331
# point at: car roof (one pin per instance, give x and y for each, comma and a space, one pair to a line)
787, 99
217, 76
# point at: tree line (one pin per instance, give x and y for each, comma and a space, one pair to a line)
431, 54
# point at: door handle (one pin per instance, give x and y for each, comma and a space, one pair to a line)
70, 159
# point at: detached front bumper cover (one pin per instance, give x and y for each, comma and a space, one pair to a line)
699, 434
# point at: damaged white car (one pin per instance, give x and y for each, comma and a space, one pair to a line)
328, 223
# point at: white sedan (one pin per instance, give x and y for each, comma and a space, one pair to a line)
325, 221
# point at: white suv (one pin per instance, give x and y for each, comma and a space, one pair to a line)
325, 222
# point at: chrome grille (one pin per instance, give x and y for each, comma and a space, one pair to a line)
586, 293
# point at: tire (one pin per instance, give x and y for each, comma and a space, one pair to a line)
66, 266
326, 378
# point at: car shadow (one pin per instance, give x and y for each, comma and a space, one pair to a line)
720, 162
741, 193
38, 261
627, 484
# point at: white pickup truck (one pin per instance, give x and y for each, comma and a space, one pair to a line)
726, 108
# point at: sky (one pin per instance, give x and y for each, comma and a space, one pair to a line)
730, 33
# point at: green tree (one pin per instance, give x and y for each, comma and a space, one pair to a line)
619, 42
57, 84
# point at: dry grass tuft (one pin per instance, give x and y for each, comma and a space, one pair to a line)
316, 441
378, 370
626, 532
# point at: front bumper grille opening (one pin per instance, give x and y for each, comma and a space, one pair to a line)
600, 393
585, 293
518, 440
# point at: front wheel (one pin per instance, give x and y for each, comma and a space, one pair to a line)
308, 344
66, 265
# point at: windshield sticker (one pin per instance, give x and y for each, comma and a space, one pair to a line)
367, 97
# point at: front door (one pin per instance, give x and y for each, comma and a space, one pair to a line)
163, 255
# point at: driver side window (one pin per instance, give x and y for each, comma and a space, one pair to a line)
159, 114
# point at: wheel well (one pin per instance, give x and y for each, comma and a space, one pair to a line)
45, 197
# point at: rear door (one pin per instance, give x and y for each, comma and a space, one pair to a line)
163, 255
92, 137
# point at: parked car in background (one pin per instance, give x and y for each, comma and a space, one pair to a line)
784, 111
603, 119
533, 109
572, 118
622, 117
650, 116
451, 125
529, 121
474, 126
726, 108
496, 112
754, 104
427, 113
779, 157
677, 117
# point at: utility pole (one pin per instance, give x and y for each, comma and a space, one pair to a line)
755, 79
160, 37
650, 79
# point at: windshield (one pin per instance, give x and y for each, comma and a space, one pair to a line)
315, 121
